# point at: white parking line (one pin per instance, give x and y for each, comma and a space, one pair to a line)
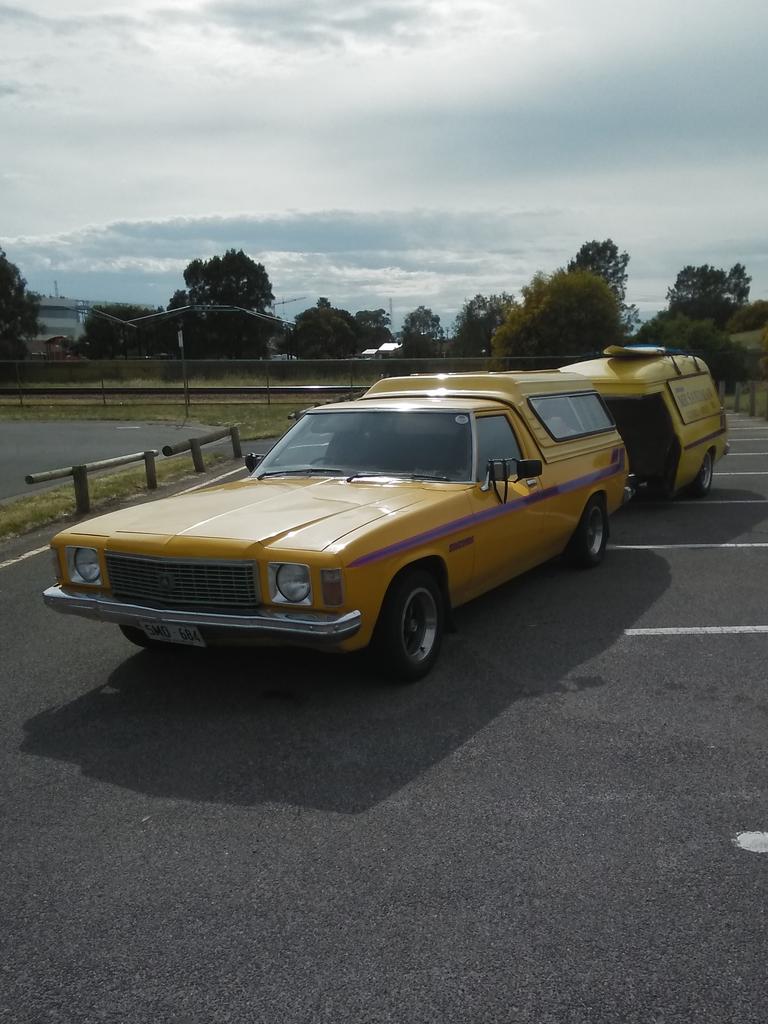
753, 842
694, 630
682, 547
20, 558
739, 454
704, 504
744, 472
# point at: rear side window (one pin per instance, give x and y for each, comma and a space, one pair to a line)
565, 416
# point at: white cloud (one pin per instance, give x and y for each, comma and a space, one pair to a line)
635, 121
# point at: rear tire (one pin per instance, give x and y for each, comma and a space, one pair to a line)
701, 485
410, 628
587, 545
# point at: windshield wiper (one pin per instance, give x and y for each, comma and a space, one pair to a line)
408, 476
307, 471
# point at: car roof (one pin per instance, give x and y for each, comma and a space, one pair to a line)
636, 366
415, 403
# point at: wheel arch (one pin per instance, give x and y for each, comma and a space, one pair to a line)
435, 565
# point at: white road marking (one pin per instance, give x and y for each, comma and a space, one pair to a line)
745, 472
207, 483
672, 547
20, 558
739, 454
128, 428
754, 842
703, 504
694, 630
712, 501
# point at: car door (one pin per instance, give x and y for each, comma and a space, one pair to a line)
510, 536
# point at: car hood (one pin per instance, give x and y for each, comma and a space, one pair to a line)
309, 515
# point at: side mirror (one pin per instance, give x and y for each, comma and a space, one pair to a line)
528, 467
252, 461
496, 471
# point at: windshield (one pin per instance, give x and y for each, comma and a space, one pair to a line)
429, 445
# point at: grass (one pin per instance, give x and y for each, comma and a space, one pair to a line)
106, 489
761, 403
255, 419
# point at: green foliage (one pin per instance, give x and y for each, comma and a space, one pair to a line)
708, 293
749, 318
422, 335
106, 339
476, 322
323, 332
726, 360
764, 360
18, 311
605, 260
567, 313
373, 328
233, 279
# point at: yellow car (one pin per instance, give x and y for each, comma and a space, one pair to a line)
366, 524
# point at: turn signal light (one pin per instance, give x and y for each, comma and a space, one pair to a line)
332, 587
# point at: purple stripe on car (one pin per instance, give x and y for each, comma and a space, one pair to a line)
616, 466
702, 440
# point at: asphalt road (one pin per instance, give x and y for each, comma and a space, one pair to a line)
541, 831
36, 447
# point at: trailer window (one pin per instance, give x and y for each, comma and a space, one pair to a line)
565, 416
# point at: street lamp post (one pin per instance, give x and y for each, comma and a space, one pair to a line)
180, 336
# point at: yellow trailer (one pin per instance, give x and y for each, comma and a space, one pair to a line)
668, 412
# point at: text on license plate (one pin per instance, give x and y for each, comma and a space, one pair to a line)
172, 633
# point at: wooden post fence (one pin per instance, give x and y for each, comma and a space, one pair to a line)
194, 445
80, 473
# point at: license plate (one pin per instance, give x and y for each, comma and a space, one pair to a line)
173, 634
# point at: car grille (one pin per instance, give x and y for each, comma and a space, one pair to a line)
183, 582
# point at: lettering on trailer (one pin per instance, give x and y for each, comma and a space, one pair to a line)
695, 398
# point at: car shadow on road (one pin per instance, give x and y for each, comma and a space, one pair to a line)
256, 726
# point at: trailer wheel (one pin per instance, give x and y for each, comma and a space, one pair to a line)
701, 485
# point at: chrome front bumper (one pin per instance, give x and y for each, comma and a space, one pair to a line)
292, 625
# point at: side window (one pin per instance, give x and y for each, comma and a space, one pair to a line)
571, 415
495, 440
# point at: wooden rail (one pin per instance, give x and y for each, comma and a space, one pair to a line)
80, 473
195, 446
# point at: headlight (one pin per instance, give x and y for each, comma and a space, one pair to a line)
83, 565
290, 582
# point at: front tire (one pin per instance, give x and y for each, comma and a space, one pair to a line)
410, 628
701, 485
587, 545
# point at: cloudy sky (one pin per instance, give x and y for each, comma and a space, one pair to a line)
380, 150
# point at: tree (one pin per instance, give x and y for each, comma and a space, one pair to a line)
726, 360
605, 260
373, 327
421, 334
751, 317
104, 338
476, 321
18, 311
323, 332
567, 313
708, 293
233, 279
